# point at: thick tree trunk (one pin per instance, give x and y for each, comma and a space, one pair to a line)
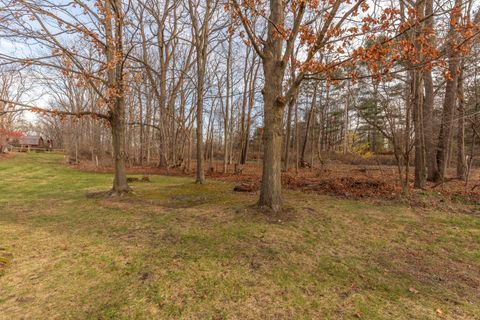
416, 100
271, 187
444, 139
447, 121
117, 123
117, 98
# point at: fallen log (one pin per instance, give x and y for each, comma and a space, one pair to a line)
244, 187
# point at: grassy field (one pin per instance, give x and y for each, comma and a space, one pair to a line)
176, 250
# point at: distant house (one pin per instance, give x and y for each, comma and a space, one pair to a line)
25, 143
31, 142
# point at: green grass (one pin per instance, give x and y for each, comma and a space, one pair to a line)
176, 250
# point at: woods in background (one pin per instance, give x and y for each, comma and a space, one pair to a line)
178, 83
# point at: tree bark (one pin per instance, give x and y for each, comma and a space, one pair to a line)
251, 102
307, 129
416, 100
430, 148
117, 124
201, 33
446, 127
461, 160
271, 187
417, 106
227, 107
345, 120
286, 160
448, 102
200, 174
116, 96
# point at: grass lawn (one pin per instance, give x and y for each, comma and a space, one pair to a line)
176, 250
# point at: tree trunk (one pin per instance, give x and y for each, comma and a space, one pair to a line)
200, 175
297, 140
271, 187
117, 123
374, 138
417, 105
448, 103
227, 107
447, 119
246, 144
286, 159
251, 102
461, 160
345, 121
307, 129
201, 34
117, 98
430, 148
406, 188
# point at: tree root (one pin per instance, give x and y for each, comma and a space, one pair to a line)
108, 194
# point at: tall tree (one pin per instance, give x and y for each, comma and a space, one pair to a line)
461, 158
201, 32
285, 20
428, 130
450, 99
100, 27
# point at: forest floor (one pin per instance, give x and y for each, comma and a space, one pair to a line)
176, 250
338, 179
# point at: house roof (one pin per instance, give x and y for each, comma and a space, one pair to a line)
30, 140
